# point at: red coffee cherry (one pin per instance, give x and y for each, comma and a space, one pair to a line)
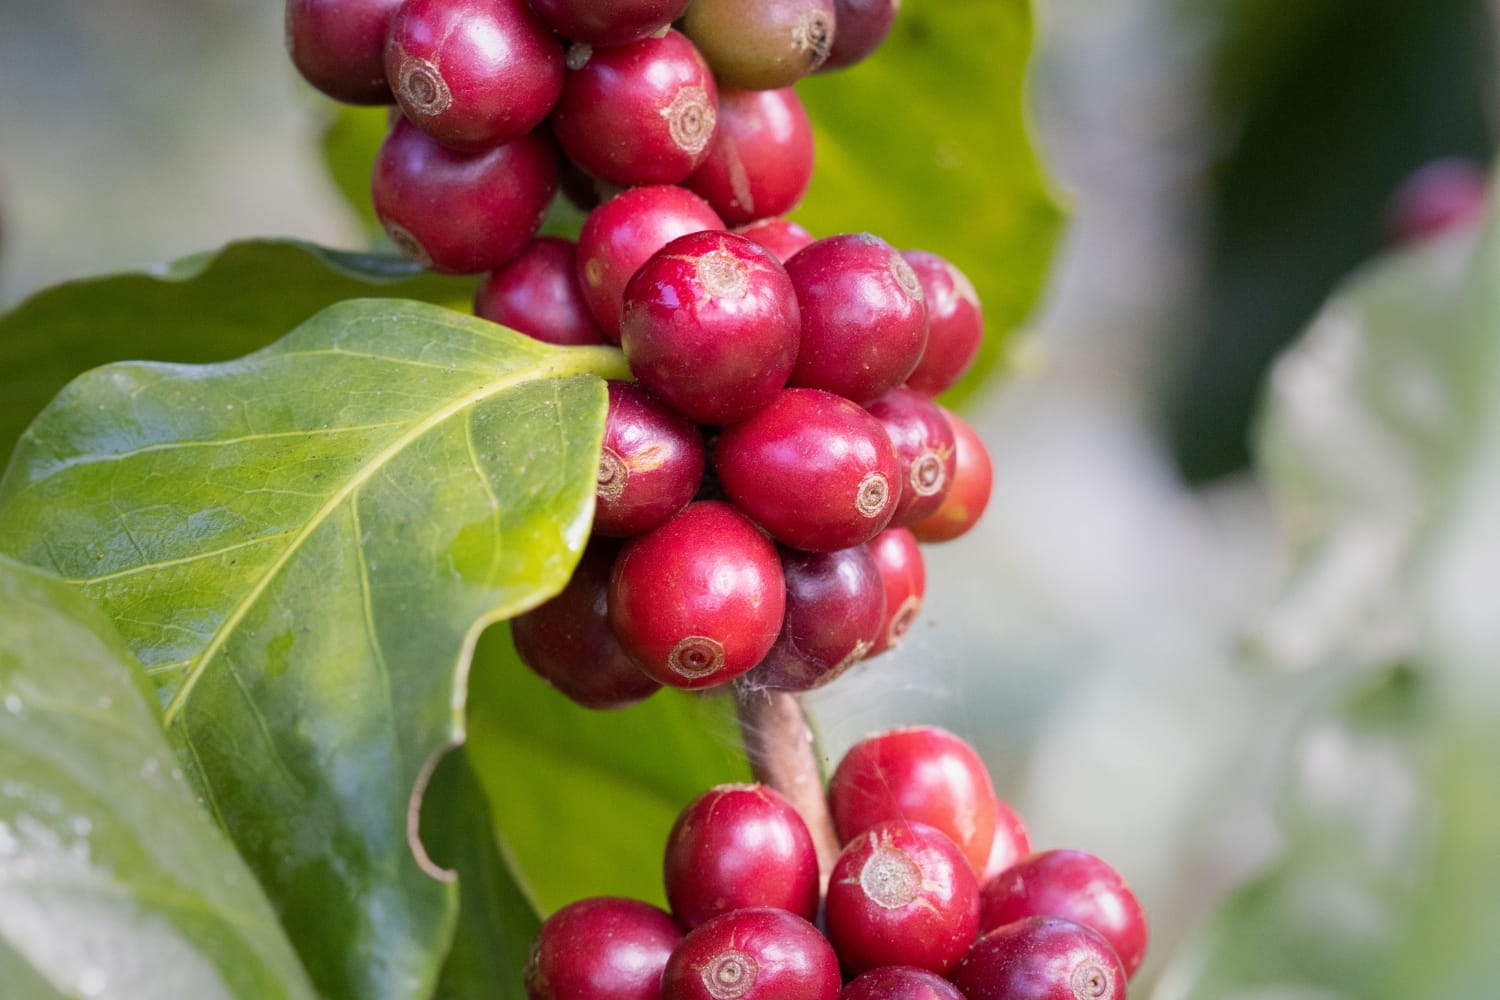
711, 325
537, 294
902, 893
1076, 886
1040, 958
603, 948
759, 953
339, 47
903, 573
642, 113
973, 478
900, 982
602, 23
782, 237
955, 324
461, 213
812, 468
698, 601
919, 773
761, 158
862, 26
761, 46
926, 453
1011, 843
738, 846
864, 323
650, 466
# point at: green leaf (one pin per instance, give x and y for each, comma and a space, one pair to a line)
211, 307
585, 799
350, 142
302, 547
113, 881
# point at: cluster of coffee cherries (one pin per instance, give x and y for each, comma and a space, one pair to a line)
936, 895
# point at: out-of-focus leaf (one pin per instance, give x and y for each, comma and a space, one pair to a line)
113, 881
350, 142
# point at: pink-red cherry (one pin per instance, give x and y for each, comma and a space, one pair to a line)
955, 323
926, 453
1011, 844
1040, 958
650, 466
1441, 196
903, 573
761, 158
537, 294
900, 982
602, 23
604, 948
781, 236
760, 953
973, 479
339, 47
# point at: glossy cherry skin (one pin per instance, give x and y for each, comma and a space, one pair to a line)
903, 574
1040, 958
1442, 195
900, 982
782, 237
537, 294
973, 478
711, 324
339, 47
862, 26
738, 846
760, 953
1076, 886
902, 893
604, 948
761, 158
461, 213
698, 601
764, 45
813, 469
642, 113
621, 234
1011, 844
603, 23
955, 323
919, 773
926, 453
567, 640
864, 321
835, 604
650, 465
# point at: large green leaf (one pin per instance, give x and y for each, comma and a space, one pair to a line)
302, 548
113, 881
212, 307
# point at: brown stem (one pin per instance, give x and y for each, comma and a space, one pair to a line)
779, 745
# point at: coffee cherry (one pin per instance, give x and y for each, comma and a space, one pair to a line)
761, 158
602, 23
862, 26
864, 323
926, 453
900, 982
603, 948
782, 237
738, 846
759, 953
835, 604
973, 478
1011, 843
812, 468
903, 575
461, 213
1443, 195
711, 325
619, 236
1040, 958
339, 47
698, 601
902, 893
567, 641
473, 73
1076, 886
761, 46
537, 294
955, 324
642, 113
650, 465
919, 773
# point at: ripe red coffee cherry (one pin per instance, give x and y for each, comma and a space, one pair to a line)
862, 26
641, 113
812, 468
919, 773
461, 213
782, 237
603, 948
1076, 886
473, 73
738, 846
765, 45
537, 294
973, 478
650, 465
955, 324
339, 47
903, 573
698, 601
902, 893
602, 23
759, 953
1040, 959
1443, 195
864, 323
900, 982
619, 236
1011, 843
835, 604
926, 453
711, 325
761, 158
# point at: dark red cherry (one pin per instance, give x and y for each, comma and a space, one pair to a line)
650, 466
339, 47
604, 948
1040, 958
602, 23
900, 982
764, 45
904, 576
760, 953
782, 237
955, 324
862, 26
761, 158
1011, 844
537, 294
973, 478
926, 453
